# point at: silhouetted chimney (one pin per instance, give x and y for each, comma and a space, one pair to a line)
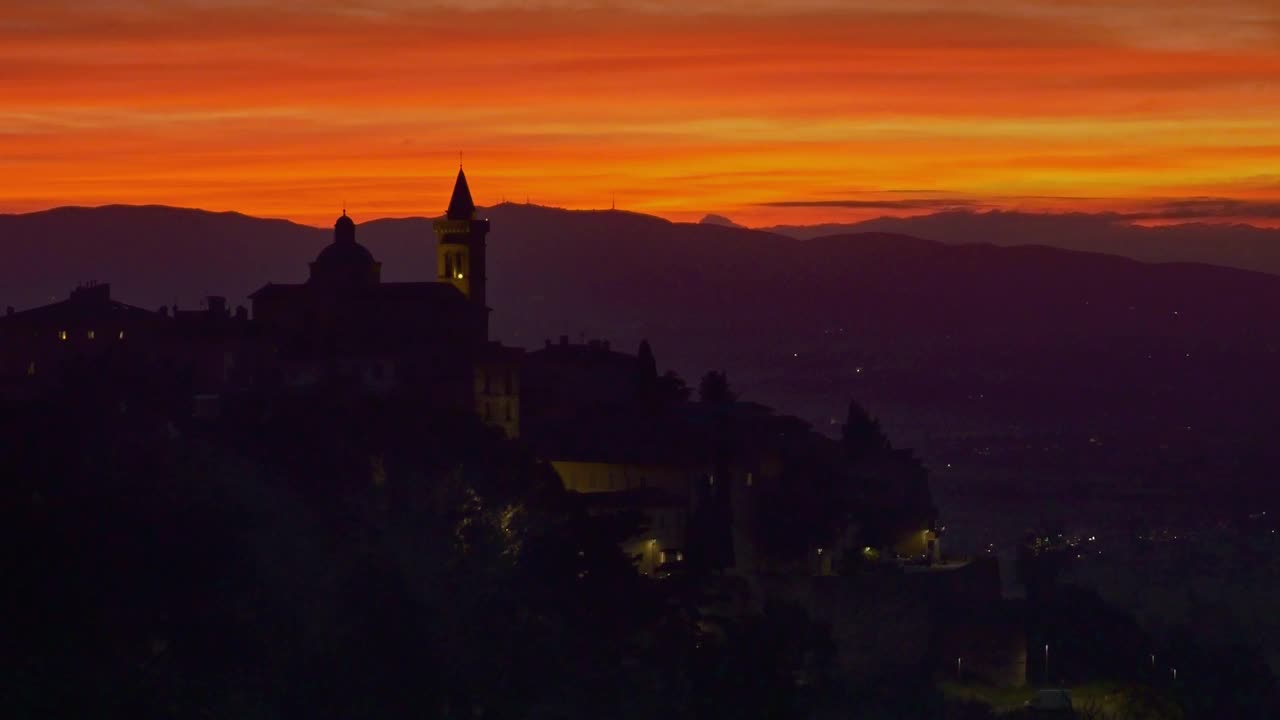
8, 310
242, 313
217, 305
548, 343
564, 340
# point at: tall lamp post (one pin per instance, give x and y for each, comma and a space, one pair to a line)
1046, 663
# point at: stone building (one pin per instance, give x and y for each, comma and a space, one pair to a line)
427, 337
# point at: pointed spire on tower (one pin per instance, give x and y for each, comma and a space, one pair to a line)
461, 207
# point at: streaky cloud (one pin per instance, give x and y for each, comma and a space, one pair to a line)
916, 204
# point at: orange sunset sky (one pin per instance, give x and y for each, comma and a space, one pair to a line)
786, 111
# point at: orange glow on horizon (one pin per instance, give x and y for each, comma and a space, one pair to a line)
798, 112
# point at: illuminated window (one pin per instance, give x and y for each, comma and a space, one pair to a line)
750, 479
31, 368
90, 334
62, 334
121, 334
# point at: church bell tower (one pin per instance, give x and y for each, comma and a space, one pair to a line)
460, 245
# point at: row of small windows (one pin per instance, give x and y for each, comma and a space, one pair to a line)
64, 335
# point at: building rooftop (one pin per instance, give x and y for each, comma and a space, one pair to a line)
441, 292
85, 302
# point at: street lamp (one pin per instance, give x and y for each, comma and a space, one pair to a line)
959, 670
1046, 663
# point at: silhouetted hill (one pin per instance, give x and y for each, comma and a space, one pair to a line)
154, 255
1032, 366
1239, 246
719, 220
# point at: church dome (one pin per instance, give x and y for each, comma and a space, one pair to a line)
341, 253
345, 261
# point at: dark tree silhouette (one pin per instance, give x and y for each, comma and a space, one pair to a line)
887, 490
671, 390
648, 365
861, 434
714, 389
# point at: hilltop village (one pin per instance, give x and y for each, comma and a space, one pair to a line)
613, 428
351, 473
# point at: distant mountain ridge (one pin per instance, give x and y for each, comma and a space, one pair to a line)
1005, 363
1231, 245
201, 252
